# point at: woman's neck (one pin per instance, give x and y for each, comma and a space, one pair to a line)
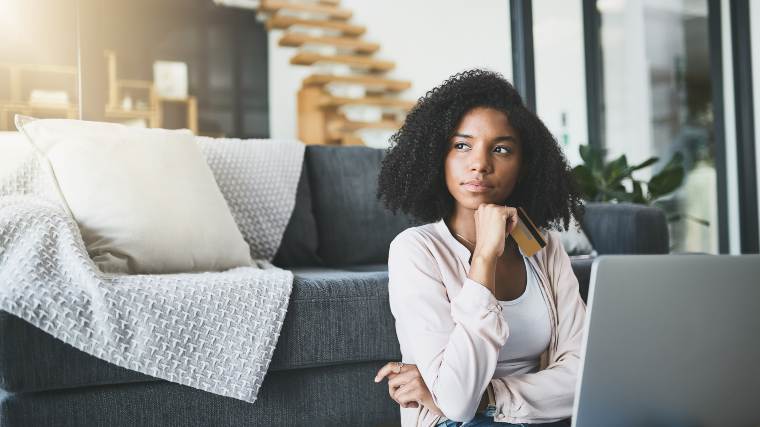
462, 224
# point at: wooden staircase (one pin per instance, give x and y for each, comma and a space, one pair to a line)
323, 34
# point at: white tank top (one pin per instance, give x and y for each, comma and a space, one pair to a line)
529, 329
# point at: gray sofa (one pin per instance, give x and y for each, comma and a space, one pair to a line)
338, 330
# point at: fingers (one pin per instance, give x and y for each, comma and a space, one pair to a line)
512, 219
399, 381
408, 394
403, 378
507, 212
387, 369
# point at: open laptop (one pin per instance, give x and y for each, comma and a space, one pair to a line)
671, 340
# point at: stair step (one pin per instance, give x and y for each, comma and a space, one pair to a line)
336, 129
293, 39
334, 12
389, 85
338, 101
372, 64
284, 22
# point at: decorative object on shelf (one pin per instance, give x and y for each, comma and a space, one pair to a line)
170, 78
123, 106
48, 97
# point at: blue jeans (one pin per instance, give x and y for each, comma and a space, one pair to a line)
485, 419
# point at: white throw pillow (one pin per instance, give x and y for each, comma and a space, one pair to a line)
145, 199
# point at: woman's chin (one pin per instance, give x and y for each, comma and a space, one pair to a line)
473, 201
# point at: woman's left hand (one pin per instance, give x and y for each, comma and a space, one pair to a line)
406, 387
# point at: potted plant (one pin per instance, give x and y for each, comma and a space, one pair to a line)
613, 181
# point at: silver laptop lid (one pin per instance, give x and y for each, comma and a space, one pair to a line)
671, 340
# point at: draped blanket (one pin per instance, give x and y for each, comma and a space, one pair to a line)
213, 331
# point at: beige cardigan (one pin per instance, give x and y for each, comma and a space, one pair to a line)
452, 328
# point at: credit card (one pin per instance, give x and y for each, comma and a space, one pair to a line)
526, 234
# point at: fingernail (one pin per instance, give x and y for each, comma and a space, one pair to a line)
377, 379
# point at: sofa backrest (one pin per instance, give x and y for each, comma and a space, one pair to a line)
338, 220
626, 228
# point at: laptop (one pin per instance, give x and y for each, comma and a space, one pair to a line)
671, 340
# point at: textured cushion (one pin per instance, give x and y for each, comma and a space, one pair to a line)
333, 317
299, 243
259, 179
354, 227
144, 199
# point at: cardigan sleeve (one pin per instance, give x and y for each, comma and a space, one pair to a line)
454, 342
547, 395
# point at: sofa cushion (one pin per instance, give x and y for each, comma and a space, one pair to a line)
353, 225
334, 317
298, 247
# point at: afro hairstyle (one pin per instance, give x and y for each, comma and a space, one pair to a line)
412, 176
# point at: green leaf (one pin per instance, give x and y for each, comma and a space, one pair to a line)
592, 157
616, 170
638, 194
648, 162
668, 179
665, 182
586, 182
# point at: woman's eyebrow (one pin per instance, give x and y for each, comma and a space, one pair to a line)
508, 138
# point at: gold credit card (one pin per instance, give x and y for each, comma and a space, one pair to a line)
526, 234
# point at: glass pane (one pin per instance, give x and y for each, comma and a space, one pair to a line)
754, 24
657, 96
560, 72
175, 64
38, 60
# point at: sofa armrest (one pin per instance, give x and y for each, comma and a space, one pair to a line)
626, 228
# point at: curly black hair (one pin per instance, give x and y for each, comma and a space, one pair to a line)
412, 177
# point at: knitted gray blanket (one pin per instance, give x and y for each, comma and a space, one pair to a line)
212, 331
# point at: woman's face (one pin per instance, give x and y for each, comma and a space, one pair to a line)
484, 159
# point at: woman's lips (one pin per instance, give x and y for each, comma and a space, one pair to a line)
476, 188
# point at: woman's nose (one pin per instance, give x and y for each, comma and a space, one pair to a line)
479, 162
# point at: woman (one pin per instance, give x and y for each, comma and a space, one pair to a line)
488, 335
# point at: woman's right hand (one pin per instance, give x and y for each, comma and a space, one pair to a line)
492, 224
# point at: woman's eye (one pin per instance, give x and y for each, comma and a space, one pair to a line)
505, 150
460, 145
